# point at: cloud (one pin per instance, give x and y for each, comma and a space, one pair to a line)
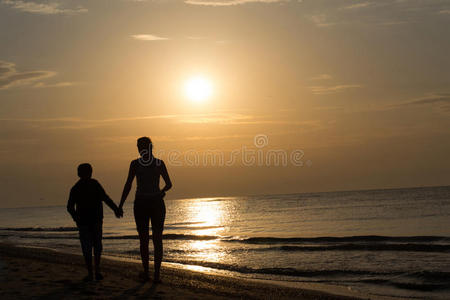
48, 8
228, 2
74, 123
10, 77
324, 90
378, 13
148, 37
322, 77
53, 85
392, 23
441, 100
358, 5
221, 118
218, 118
321, 20
195, 38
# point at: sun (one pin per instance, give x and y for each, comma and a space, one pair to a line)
198, 89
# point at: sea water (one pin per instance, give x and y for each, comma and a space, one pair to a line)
392, 242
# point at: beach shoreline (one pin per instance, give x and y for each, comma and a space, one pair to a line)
43, 273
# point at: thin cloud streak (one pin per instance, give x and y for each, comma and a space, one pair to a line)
322, 77
73, 123
52, 8
79, 120
441, 100
324, 90
358, 5
228, 2
148, 37
214, 118
220, 118
41, 85
171, 139
11, 78
382, 13
321, 20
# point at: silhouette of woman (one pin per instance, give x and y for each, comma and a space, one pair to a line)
149, 202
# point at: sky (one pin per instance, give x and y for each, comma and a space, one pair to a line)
307, 96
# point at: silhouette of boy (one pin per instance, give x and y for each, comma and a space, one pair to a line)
86, 208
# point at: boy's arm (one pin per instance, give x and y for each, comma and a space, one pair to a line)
110, 203
71, 207
107, 199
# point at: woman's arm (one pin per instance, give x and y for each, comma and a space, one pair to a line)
165, 176
128, 184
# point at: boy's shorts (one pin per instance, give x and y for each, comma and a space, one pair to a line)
91, 237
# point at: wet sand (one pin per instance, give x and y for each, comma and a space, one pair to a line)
41, 273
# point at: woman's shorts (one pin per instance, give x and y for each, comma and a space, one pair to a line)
148, 209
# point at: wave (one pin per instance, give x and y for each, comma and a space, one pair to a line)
362, 243
191, 227
423, 287
167, 237
41, 229
420, 281
185, 223
321, 240
368, 247
174, 226
112, 237
368, 242
347, 247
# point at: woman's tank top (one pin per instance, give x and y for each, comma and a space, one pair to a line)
147, 178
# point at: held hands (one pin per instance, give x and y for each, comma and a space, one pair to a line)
76, 220
118, 212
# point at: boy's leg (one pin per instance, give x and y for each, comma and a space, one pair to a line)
97, 238
86, 247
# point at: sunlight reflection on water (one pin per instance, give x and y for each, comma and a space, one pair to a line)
209, 214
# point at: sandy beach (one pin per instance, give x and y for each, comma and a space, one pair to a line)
42, 273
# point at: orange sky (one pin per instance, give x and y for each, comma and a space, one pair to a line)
360, 87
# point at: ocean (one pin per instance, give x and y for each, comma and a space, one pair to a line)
392, 242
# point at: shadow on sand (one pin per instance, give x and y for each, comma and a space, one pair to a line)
142, 290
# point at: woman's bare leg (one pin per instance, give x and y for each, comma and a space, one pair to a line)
158, 246
144, 240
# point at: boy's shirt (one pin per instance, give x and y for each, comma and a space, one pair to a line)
85, 202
